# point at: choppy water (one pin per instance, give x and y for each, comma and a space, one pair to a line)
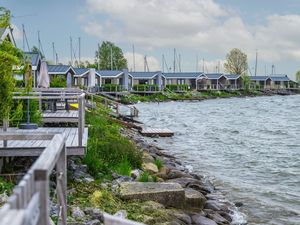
250, 147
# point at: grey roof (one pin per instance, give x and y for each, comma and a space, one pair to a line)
59, 69
214, 76
33, 57
81, 71
109, 73
143, 75
183, 75
259, 78
232, 76
280, 78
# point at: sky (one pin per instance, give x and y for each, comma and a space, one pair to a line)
203, 29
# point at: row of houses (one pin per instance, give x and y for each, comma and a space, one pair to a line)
89, 77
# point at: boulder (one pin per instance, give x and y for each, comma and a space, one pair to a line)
194, 199
150, 167
177, 174
147, 158
217, 218
168, 194
213, 205
94, 213
93, 222
181, 216
136, 173
201, 220
185, 181
77, 213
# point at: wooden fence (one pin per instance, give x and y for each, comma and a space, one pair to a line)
29, 203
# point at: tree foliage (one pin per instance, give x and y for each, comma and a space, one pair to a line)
107, 53
236, 62
298, 76
9, 57
37, 50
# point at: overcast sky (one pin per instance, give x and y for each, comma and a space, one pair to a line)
207, 28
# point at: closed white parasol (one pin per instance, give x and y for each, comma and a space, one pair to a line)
44, 81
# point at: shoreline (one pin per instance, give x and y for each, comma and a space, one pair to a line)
216, 208
201, 96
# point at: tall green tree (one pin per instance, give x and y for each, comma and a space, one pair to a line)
110, 57
9, 57
298, 76
236, 62
35, 49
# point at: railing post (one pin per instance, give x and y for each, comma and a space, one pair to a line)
40, 102
61, 185
80, 119
42, 187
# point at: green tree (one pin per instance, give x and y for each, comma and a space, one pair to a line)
37, 50
298, 76
236, 62
9, 57
110, 57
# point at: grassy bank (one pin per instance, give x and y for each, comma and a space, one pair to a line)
107, 150
190, 95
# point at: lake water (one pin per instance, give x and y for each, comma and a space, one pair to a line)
249, 147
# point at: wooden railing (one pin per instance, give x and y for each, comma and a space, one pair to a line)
111, 104
29, 203
48, 95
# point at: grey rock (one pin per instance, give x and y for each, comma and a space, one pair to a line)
194, 199
201, 220
186, 219
53, 209
226, 216
94, 213
136, 173
122, 179
217, 218
122, 214
168, 194
213, 205
238, 204
177, 174
77, 213
93, 222
185, 181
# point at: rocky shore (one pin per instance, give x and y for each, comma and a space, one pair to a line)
173, 195
201, 203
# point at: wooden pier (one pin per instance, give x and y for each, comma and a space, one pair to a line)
25, 147
60, 116
152, 132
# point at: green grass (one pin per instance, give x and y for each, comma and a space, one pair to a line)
107, 149
6, 186
158, 163
144, 177
123, 168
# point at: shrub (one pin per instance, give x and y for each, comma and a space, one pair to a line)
58, 81
111, 87
107, 147
145, 87
178, 87
5, 186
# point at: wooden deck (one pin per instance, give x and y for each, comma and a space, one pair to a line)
150, 132
60, 116
20, 147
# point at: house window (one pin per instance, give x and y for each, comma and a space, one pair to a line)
143, 81
180, 81
108, 81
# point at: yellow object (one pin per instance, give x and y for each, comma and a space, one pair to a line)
74, 106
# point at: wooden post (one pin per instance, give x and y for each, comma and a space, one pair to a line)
80, 119
42, 187
61, 185
117, 108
